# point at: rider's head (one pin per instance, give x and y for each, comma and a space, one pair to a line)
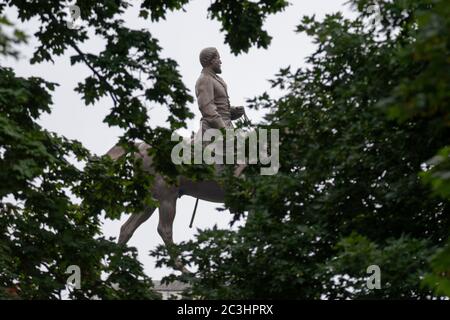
210, 58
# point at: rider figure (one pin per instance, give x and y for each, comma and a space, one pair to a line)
212, 95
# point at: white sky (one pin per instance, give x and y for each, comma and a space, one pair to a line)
182, 35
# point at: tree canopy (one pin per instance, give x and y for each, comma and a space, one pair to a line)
44, 229
364, 154
364, 175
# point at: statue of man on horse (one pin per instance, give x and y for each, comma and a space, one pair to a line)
214, 105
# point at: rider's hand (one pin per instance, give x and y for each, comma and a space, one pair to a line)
240, 110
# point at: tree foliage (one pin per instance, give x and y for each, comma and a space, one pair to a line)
43, 231
364, 154
356, 185
50, 208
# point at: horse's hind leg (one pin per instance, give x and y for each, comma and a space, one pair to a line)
167, 211
133, 222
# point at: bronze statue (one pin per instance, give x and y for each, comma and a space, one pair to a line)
212, 94
217, 113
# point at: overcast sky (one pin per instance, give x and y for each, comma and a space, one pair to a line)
182, 35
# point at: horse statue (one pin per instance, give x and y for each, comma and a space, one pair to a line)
167, 196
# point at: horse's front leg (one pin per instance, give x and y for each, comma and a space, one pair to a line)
167, 211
